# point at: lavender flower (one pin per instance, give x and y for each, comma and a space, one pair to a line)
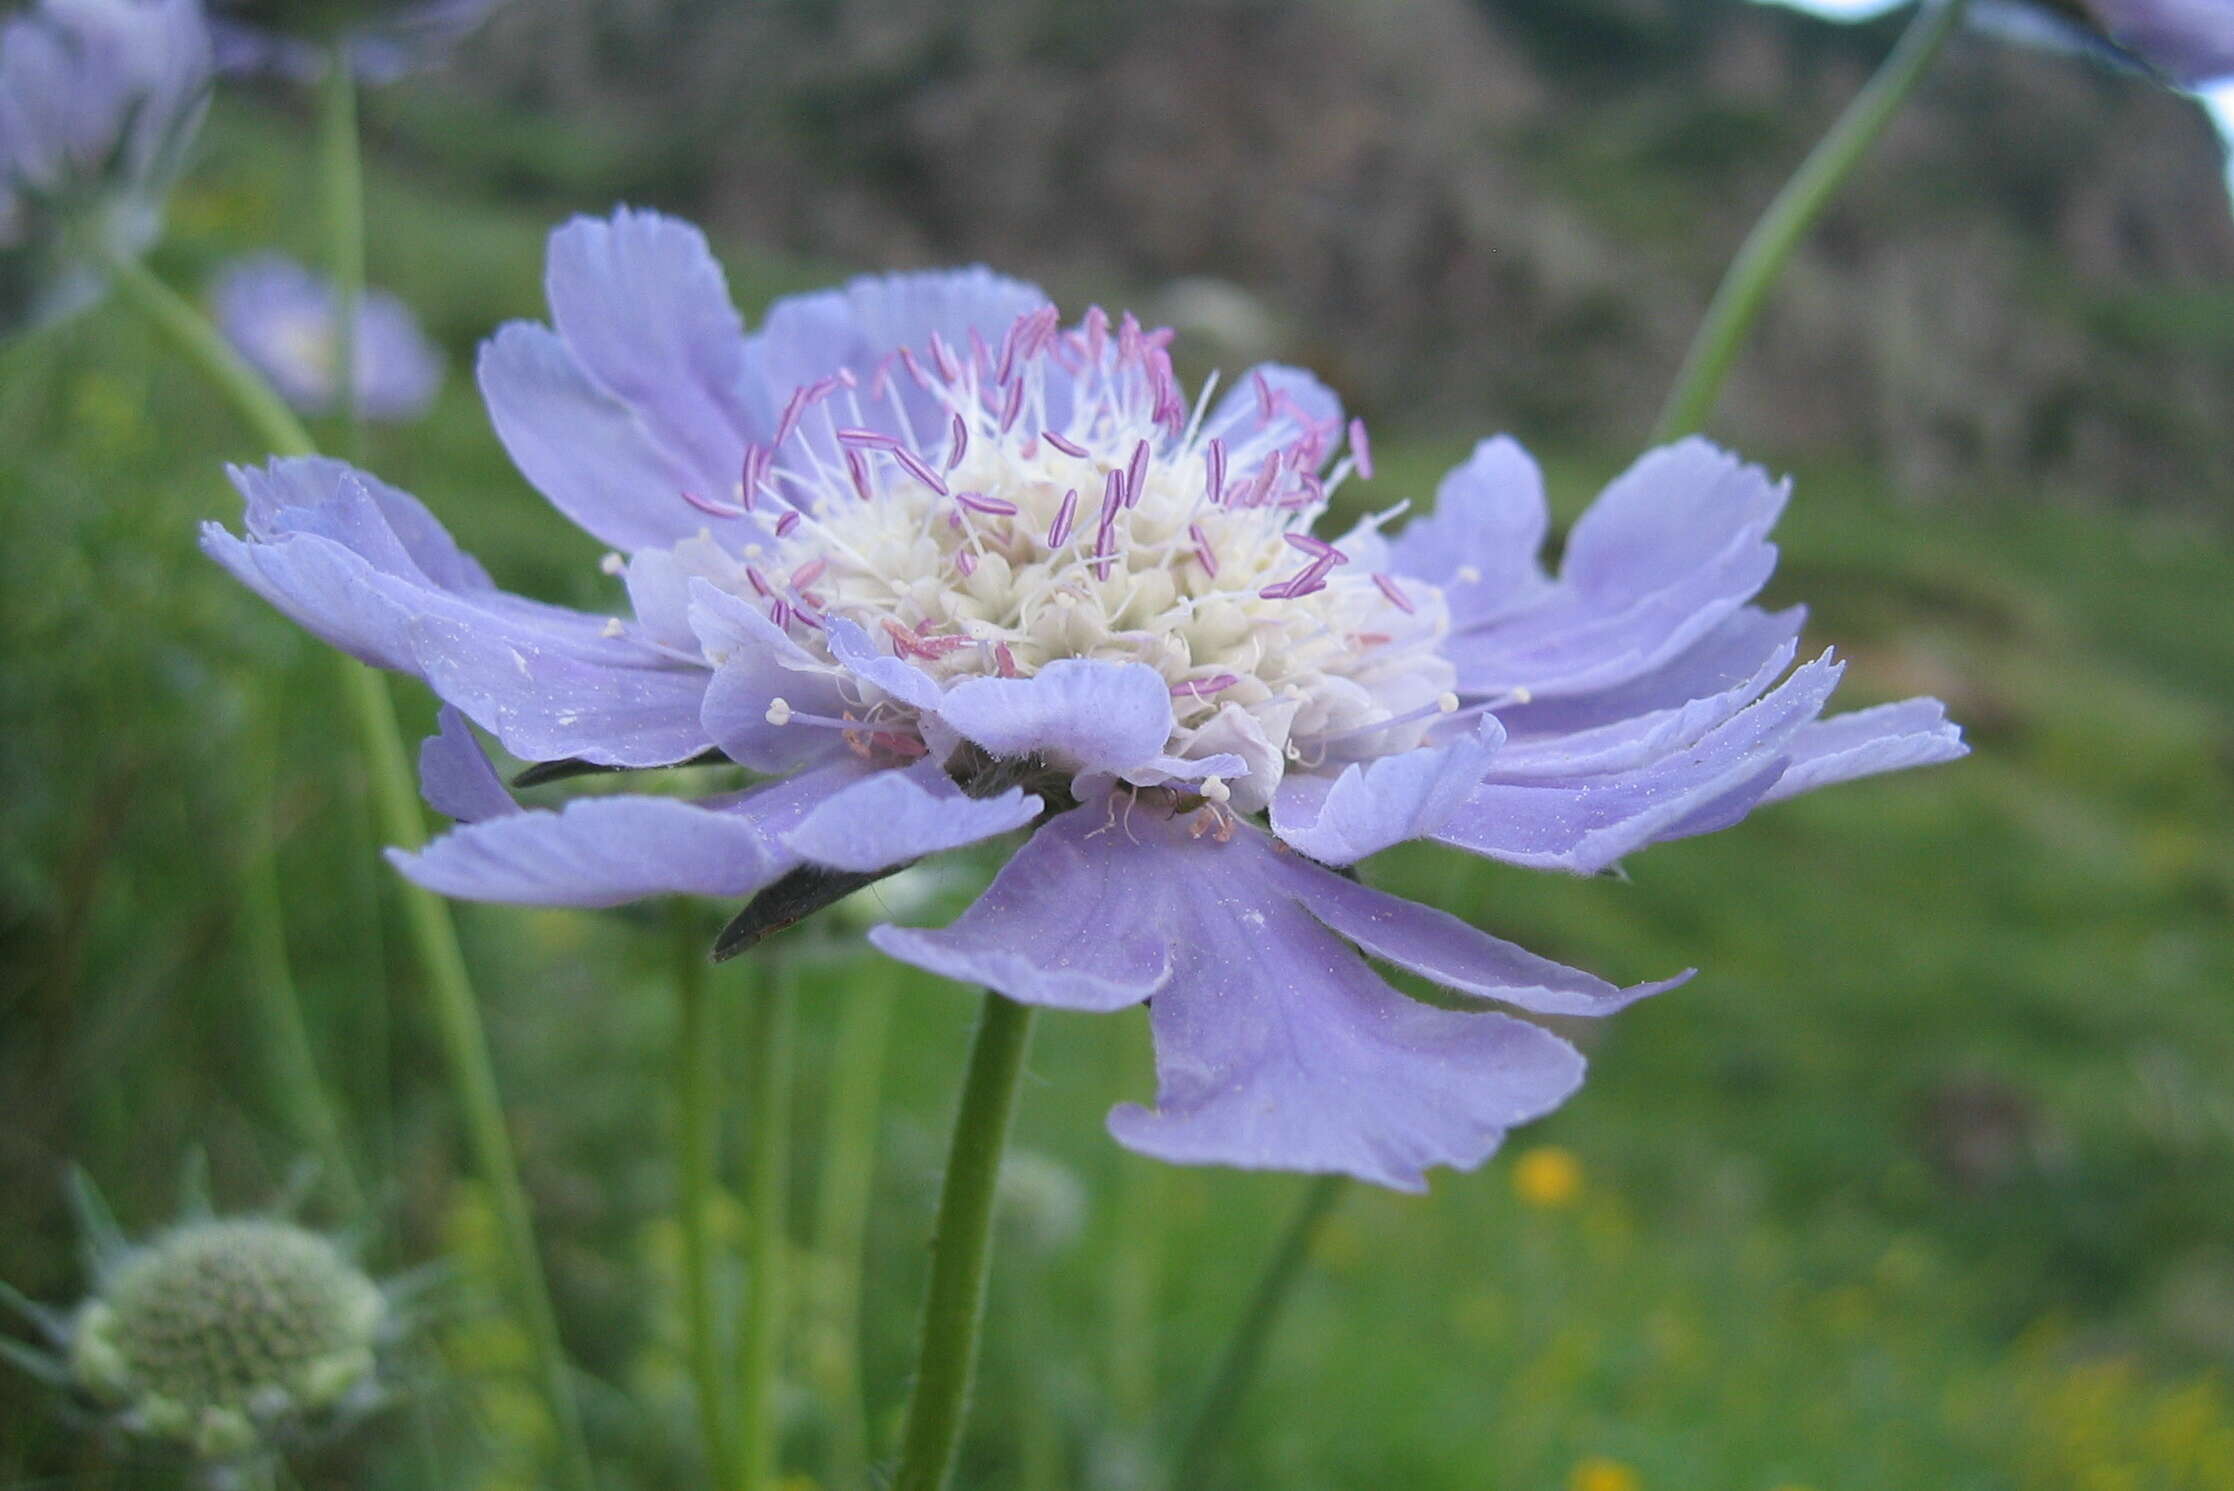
281, 317
385, 39
99, 100
944, 569
2186, 43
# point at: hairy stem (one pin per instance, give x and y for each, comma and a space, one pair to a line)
1245, 1352
962, 1248
1768, 248
433, 936
767, 1263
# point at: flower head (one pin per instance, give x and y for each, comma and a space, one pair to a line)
281, 317
223, 1338
384, 39
943, 568
99, 100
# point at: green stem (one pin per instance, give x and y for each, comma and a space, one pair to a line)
310, 1108
767, 1183
848, 1178
341, 175
962, 1248
434, 938
1769, 247
190, 334
697, 1063
1245, 1352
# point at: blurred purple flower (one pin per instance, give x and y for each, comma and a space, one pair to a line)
281, 317
2185, 43
944, 570
99, 102
385, 39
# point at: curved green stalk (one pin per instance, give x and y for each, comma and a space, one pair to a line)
962, 1248
697, 1065
767, 1260
1245, 1352
341, 175
1769, 247
396, 801
841, 1219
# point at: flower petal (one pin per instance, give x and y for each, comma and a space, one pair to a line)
1082, 714
645, 310
583, 451
1439, 946
1481, 540
1891, 737
455, 776
893, 817
755, 664
1068, 922
598, 851
1584, 824
896, 676
1370, 806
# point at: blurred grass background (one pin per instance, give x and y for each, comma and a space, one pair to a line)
1927, 1181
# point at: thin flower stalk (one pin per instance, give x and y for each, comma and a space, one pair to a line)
1769, 247
962, 1247
433, 935
698, 1063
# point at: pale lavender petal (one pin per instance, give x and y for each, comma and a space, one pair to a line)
1891, 737
583, 451
893, 817
1439, 946
317, 495
1481, 540
1085, 715
455, 775
1731, 655
1372, 805
755, 664
1071, 921
598, 851
645, 310
1583, 824
1166, 769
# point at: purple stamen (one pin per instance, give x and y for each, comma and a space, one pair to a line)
858, 469
780, 614
719, 510
866, 439
1203, 551
759, 581
1395, 593
1065, 446
1097, 332
1060, 529
1361, 449
921, 472
1216, 462
1264, 398
948, 368
957, 443
978, 502
1317, 548
966, 562
1136, 473
1012, 406
806, 574
1112, 496
787, 522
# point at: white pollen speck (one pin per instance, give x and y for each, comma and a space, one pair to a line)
612, 627
705, 534
779, 712
754, 551
1215, 790
1447, 703
612, 563
1469, 575
1523, 696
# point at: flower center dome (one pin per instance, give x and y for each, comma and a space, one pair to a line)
988, 512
